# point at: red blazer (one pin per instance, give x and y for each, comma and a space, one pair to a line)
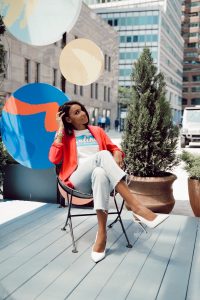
66, 151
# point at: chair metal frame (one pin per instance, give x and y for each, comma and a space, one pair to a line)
74, 193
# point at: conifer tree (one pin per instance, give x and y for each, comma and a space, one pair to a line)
150, 138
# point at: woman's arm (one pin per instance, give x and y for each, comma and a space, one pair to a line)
56, 153
117, 153
56, 150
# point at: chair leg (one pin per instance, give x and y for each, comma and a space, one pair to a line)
121, 223
68, 212
74, 250
69, 222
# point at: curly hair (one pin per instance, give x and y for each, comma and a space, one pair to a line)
65, 109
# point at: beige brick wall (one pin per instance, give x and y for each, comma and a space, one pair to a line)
90, 26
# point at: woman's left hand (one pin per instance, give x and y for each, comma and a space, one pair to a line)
118, 158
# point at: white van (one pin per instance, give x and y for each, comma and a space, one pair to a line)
190, 133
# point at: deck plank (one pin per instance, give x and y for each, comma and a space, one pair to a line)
21, 239
139, 262
174, 284
25, 224
47, 225
37, 261
193, 292
13, 224
30, 261
24, 249
62, 287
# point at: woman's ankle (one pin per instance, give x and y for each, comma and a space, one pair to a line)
100, 242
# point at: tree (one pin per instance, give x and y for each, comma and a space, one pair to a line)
150, 138
2, 50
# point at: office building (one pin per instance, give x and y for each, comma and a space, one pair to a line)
148, 23
191, 63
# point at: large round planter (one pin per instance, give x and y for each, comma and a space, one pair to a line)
194, 195
154, 192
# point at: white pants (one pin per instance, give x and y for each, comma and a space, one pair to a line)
98, 175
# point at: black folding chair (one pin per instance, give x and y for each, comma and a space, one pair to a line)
74, 193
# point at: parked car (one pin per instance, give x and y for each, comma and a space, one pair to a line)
190, 133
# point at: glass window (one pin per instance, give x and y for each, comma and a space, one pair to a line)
91, 90
115, 22
55, 76
154, 54
192, 45
134, 55
128, 55
184, 101
64, 40
122, 21
196, 78
63, 83
109, 63
26, 70
128, 21
148, 38
155, 19
128, 39
37, 72
122, 39
75, 89
195, 101
104, 93
196, 89
192, 4
110, 22
96, 90
105, 62
141, 38
135, 38
154, 37
81, 90
109, 94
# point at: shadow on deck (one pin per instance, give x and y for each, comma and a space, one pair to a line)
36, 261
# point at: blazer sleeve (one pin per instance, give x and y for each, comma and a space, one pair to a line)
109, 144
56, 153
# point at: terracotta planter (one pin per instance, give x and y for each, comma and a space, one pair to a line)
194, 195
154, 192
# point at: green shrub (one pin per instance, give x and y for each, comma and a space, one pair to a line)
192, 164
150, 138
5, 159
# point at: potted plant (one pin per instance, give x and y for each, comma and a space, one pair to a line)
150, 138
5, 159
192, 167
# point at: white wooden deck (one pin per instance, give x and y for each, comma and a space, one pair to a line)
36, 261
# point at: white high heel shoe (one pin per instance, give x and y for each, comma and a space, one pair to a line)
151, 224
97, 256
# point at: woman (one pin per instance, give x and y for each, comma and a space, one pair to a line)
92, 163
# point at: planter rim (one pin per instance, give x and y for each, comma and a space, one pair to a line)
192, 179
155, 179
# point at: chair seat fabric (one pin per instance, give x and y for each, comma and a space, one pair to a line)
79, 198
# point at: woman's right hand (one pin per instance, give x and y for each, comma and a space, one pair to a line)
59, 120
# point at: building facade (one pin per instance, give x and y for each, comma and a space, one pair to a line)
191, 63
148, 23
26, 64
